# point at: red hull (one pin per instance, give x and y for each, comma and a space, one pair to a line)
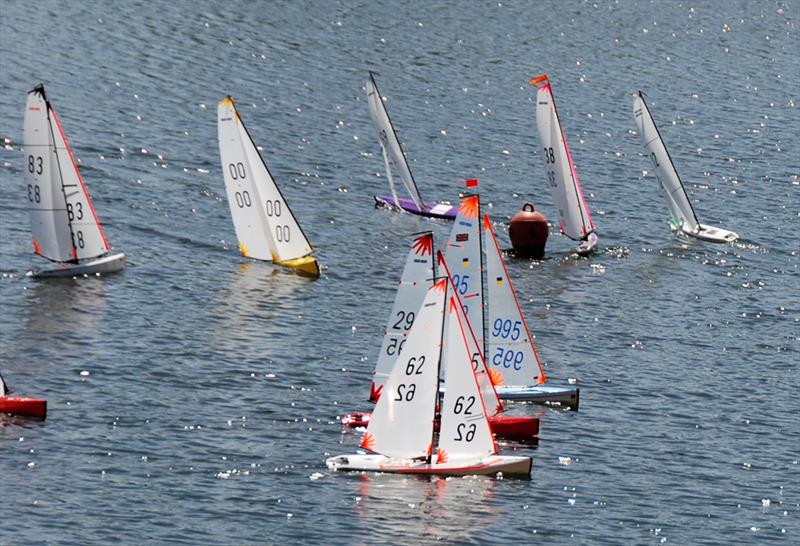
27, 407
503, 426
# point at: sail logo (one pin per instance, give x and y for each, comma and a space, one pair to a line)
462, 237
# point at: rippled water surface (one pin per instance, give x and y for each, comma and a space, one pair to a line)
194, 397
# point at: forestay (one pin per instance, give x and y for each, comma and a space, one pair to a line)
417, 277
465, 432
63, 220
683, 214
510, 353
573, 213
402, 423
265, 226
392, 150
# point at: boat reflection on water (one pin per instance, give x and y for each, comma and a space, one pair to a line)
256, 292
453, 509
66, 309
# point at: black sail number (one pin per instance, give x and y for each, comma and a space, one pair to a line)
273, 208
405, 320
237, 170
464, 405
405, 393
414, 365
282, 233
34, 194
395, 346
75, 212
77, 239
551, 179
655, 161
465, 432
243, 199
35, 164
549, 156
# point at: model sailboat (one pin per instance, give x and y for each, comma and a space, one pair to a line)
417, 278
562, 178
64, 223
400, 436
506, 344
683, 217
264, 223
394, 160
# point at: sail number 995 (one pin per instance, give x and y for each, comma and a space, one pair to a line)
506, 328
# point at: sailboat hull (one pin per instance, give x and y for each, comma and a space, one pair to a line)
430, 209
490, 465
588, 245
104, 265
542, 394
711, 234
305, 265
25, 407
503, 426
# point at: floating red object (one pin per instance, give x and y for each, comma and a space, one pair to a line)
528, 231
25, 407
503, 426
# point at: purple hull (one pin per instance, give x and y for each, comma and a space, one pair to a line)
431, 209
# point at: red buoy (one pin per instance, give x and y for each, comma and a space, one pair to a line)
528, 231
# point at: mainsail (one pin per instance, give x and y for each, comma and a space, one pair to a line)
573, 213
264, 223
393, 155
63, 220
683, 214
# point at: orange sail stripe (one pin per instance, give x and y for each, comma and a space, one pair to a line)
368, 442
469, 207
536, 80
423, 245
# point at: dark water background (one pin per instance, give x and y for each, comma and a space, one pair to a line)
214, 384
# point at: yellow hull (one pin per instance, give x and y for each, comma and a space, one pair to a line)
307, 265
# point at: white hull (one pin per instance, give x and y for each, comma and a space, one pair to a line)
542, 394
711, 234
587, 247
104, 265
379, 463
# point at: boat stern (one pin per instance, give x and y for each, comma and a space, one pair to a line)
306, 265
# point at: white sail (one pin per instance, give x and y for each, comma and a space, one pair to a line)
465, 433
88, 238
510, 353
390, 145
402, 423
683, 214
417, 277
486, 378
265, 226
463, 254
573, 213
64, 224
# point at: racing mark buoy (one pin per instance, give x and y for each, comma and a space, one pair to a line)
528, 232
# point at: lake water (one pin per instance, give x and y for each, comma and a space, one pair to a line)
194, 397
